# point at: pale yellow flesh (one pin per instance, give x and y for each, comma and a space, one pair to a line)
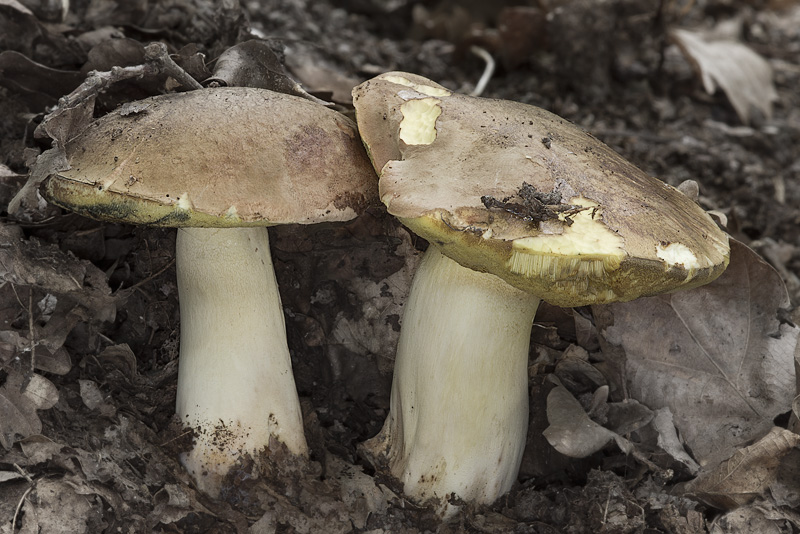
418, 126
235, 383
459, 406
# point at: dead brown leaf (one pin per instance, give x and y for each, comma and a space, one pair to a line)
308, 64
744, 75
94, 398
28, 263
252, 64
358, 490
20, 397
669, 441
28, 204
746, 474
761, 518
716, 356
571, 431
55, 507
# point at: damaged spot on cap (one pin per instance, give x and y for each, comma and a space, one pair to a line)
232, 214
133, 108
184, 202
677, 254
418, 126
585, 249
588, 235
420, 88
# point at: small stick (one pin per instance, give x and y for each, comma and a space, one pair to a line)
158, 54
31, 331
149, 278
156, 61
24, 495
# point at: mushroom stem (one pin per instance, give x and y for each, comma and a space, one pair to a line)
235, 383
459, 405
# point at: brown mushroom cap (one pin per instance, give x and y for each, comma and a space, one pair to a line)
453, 169
223, 157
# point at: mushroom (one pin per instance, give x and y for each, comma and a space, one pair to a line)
517, 205
222, 165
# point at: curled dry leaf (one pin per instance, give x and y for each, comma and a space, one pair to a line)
28, 204
669, 441
253, 64
571, 431
745, 76
717, 356
746, 474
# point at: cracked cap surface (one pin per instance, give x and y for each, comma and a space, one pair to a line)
459, 171
223, 157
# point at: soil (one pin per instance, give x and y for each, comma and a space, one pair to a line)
108, 445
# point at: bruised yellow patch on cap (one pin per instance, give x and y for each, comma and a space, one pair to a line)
418, 126
418, 87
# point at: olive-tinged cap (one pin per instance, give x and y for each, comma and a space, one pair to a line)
217, 158
513, 190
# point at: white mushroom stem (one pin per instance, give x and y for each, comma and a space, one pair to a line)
459, 405
235, 383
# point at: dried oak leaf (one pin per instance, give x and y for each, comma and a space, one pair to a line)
744, 76
717, 356
746, 474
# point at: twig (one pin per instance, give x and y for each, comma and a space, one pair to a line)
19, 507
179, 436
158, 54
96, 82
24, 495
23, 473
488, 71
149, 278
31, 331
156, 61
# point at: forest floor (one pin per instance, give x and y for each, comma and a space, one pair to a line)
88, 435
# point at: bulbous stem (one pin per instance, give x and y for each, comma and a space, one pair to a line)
459, 405
235, 382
